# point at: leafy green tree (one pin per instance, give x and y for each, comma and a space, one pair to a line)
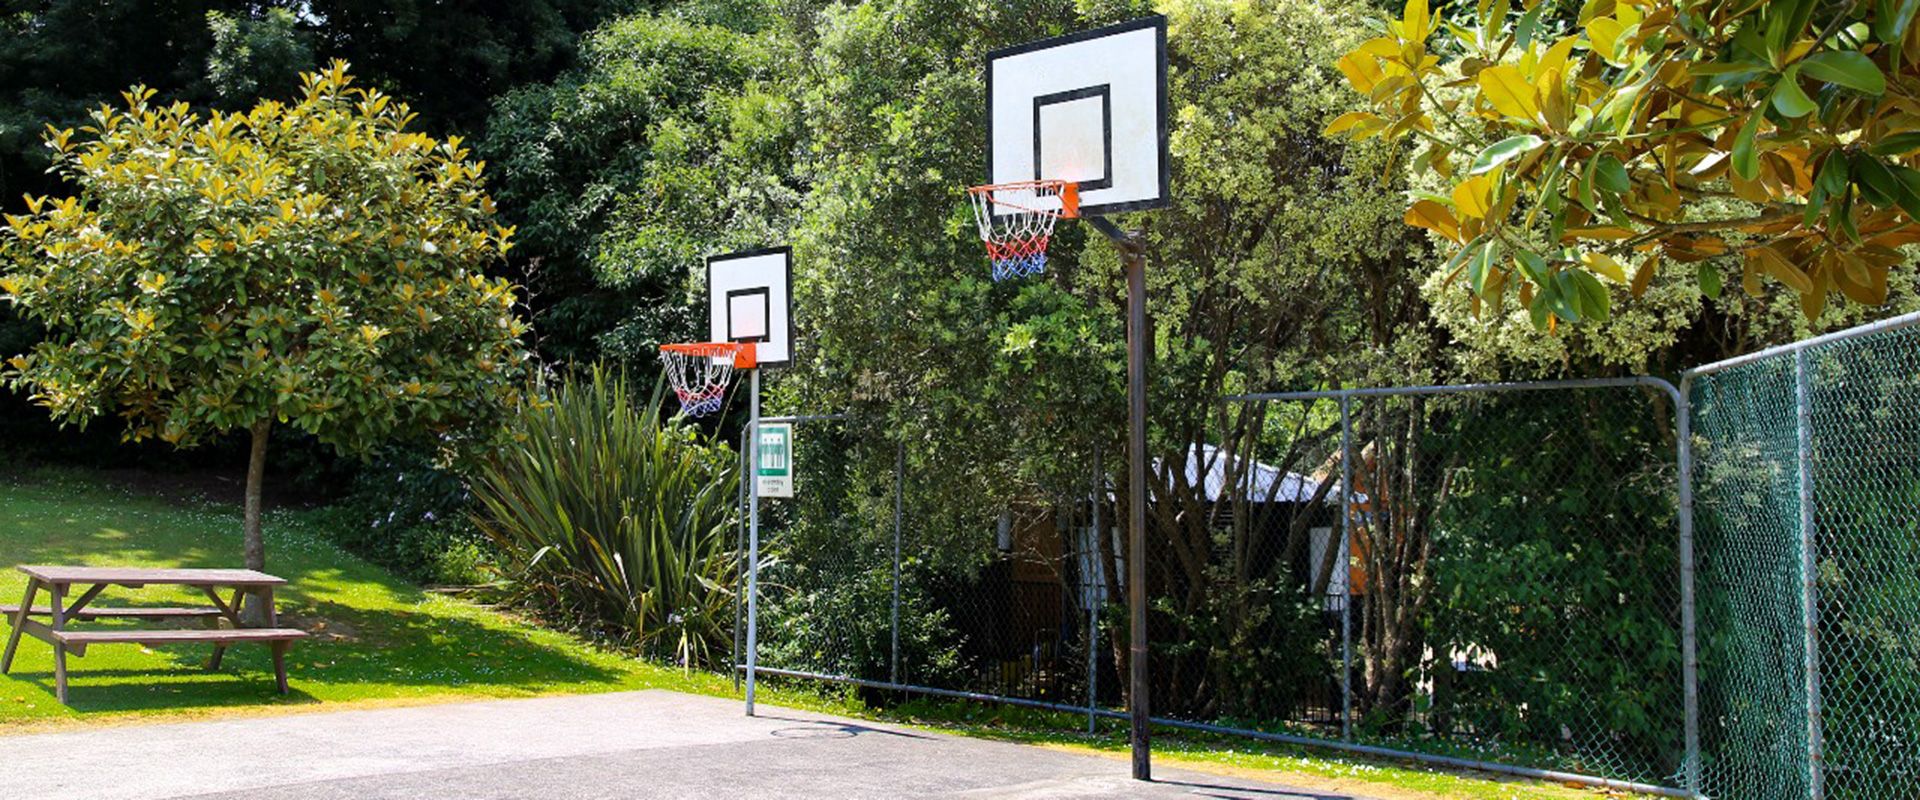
673, 140
1007, 389
455, 56
249, 53
312, 264
59, 59
1580, 150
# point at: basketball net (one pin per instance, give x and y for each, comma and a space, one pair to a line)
700, 372
1016, 222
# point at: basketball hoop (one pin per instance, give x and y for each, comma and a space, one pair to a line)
1016, 222
700, 372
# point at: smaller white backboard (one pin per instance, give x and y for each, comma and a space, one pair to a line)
750, 300
1089, 107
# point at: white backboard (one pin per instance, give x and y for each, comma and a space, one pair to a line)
749, 300
1089, 107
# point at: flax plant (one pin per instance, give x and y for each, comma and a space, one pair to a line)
618, 519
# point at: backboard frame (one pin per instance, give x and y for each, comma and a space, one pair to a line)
1089, 206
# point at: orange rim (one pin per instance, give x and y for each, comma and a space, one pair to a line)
1069, 194
742, 352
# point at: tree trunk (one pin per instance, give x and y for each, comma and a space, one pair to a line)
256, 550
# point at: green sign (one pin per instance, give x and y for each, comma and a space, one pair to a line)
773, 468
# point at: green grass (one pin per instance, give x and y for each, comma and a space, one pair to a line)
378, 640
373, 637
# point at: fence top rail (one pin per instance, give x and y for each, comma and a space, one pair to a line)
1857, 331
807, 418
1464, 388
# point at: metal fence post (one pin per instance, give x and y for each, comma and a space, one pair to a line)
899, 500
1809, 566
1689, 637
1088, 565
1346, 584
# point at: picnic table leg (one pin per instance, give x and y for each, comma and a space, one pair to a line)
279, 648
280, 664
19, 618
220, 650
58, 601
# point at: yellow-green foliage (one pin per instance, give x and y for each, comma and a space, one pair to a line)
313, 263
1586, 147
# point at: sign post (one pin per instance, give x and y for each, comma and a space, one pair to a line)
773, 460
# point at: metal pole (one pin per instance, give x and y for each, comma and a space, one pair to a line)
1137, 508
1133, 251
1090, 565
740, 546
1809, 565
899, 500
1346, 555
1689, 642
753, 535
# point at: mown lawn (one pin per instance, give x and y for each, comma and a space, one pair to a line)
373, 637
376, 640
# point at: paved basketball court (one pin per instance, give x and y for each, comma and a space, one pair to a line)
631, 745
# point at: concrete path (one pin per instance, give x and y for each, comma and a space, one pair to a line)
630, 745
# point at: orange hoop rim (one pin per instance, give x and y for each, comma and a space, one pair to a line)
742, 352
1067, 191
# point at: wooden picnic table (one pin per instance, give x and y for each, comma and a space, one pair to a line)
60, 582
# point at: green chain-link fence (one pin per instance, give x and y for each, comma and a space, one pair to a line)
1808, 516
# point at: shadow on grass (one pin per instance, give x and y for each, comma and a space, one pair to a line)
1241, 792
164, 688
417, 648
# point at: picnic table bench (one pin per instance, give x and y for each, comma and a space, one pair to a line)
58, 582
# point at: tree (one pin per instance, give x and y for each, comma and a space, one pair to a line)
454, 56
1656, 131
250, 52
61, 58
1007, 389
312, 264
672, 141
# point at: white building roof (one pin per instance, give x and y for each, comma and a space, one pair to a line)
1263, 483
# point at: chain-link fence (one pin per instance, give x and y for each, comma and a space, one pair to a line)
1495, 576
1809, 517
1502, 583
1499, 587
863, 582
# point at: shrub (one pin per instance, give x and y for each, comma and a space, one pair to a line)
407, 514
613, 518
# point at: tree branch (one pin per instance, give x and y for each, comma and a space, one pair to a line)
1661, 229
